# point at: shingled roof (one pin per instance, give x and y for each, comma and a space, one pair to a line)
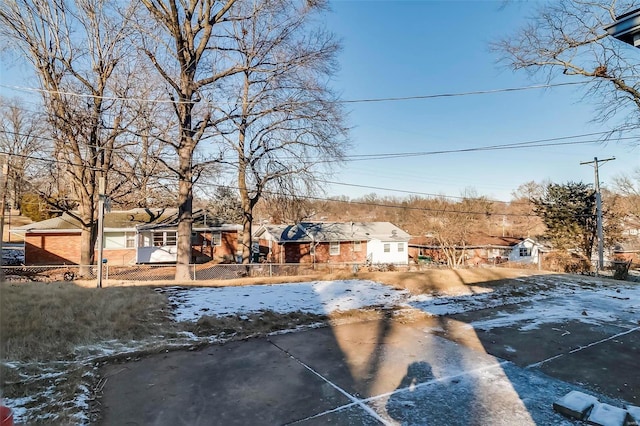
127, 220
335, 231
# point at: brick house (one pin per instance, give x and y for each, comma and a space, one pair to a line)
323, 242
131, 236
480, 249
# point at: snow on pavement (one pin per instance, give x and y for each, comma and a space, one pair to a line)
319, 297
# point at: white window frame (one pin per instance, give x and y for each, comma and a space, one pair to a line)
357, 246
334, 248
386, 247
400, 247
130, 240
524, 252
164, 238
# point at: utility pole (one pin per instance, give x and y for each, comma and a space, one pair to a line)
101, 196
4, 178
595, 163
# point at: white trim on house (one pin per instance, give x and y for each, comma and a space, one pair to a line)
526, 251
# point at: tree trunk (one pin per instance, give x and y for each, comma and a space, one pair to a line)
88, 237
185, 216
246, 237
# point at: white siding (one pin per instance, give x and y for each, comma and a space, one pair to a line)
528, 245
375, 252
114, 240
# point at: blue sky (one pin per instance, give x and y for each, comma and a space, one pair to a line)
412, 48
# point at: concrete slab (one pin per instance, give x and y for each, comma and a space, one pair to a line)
437, 371
239, 383
596, 351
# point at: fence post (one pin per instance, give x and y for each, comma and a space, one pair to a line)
194, 272
270, 270
106, 274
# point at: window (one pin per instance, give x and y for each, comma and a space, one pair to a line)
400, 247
129, 239
334, 248
158, 239
165, 238
525, 251
216, 238
357, 246
387, 247
171, 239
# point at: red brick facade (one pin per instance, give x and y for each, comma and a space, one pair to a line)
203, 251
64, 248
301, 252
52, 249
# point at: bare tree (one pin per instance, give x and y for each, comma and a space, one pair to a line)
74, 48
523, 222
566, 38
22, 135
284, 125
456, 223
140, 177
181, 44
628, 186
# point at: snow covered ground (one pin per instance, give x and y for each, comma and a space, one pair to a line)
319, 297
544, 299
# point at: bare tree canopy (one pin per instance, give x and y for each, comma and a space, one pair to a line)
75, 48
22, 134
567, 39
180, 39
281, 124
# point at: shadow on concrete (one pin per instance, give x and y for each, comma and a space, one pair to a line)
386, 370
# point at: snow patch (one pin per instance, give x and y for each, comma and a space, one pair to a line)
319, 297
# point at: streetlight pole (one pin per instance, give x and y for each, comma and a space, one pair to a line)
595, 163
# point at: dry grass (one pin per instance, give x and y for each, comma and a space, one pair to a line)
450, 281
48, 321
439, 281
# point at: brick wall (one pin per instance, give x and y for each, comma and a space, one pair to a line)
60, 249
55, 249
301, 253
347, 254
119, 257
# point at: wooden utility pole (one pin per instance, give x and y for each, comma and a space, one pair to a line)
595, 163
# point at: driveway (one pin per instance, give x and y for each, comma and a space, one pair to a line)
501, 365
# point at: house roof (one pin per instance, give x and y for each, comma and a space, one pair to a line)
475, 241
122, 220
307, 232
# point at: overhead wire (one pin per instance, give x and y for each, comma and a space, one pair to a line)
339, 101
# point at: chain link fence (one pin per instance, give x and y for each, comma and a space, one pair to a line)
206, 272
197, 272
49, 273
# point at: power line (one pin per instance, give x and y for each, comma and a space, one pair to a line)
353, 185
387, 156
346, 101
470, 93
